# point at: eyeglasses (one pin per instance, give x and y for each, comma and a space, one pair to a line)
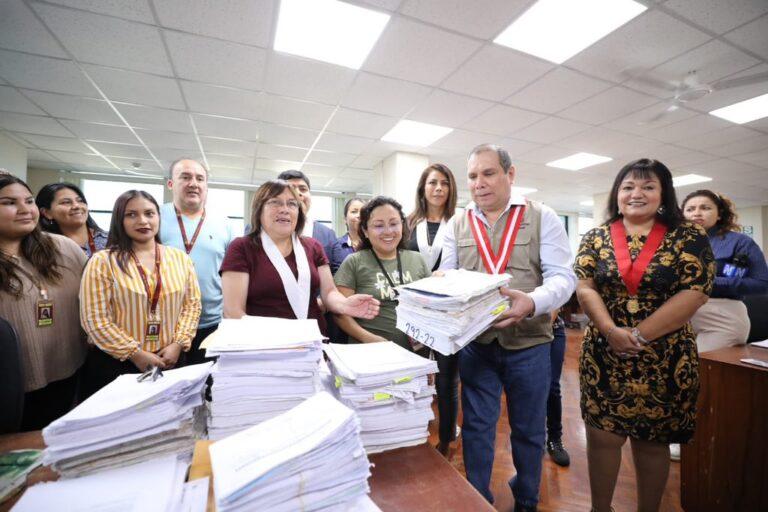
277, 204
395, 228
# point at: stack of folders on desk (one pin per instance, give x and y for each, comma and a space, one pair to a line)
308, 458
127, 422
265, 367
445, 313
388, 387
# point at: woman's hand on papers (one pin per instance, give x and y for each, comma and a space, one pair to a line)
361, 306
170, 355
143, 360
438, 273
521, 306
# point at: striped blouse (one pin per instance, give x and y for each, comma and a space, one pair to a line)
114, 306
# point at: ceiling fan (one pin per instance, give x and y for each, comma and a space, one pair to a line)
690, 89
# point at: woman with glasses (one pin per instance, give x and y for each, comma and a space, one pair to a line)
274, 272
64, 211
381, 264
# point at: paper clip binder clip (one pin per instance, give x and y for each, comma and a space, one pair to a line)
153, 373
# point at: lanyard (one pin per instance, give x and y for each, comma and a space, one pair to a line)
189, 244
37, 283
386, 274
91, 243
632, 271
495, 264
153, 298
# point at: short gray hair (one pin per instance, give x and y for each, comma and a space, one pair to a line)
175, 163
504, 159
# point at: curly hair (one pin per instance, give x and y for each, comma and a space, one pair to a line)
365, 215
726, 211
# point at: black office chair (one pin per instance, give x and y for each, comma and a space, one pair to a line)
757, 310
11, 380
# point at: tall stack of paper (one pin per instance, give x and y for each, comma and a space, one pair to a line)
155, 485
266, 366
309, 458
388, 387
447, 312
127, 422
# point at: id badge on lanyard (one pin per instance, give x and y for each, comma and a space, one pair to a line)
154, 323
44, 310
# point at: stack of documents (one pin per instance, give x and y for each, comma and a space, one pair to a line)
388, 387
265, 367
127, 422
309, 458
445, 313
155, 485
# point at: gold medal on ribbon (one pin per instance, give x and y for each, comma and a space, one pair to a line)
633, 306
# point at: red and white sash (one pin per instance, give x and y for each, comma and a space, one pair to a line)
495, 264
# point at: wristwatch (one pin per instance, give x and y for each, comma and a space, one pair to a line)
636, 333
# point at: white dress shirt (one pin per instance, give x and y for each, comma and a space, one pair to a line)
554, 252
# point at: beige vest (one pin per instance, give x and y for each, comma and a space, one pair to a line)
524, 265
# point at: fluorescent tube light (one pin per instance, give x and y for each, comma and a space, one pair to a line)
579, 161
588, 202
328, 30
556, 30
744, 111
689, 179
416, 134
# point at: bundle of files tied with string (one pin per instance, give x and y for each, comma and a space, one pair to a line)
447, 312
130, 421
265, 367
388, 388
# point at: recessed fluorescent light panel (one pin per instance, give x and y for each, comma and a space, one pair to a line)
328, 30
579, 161
744, 111
524, 190
689, 179
416, 134
556, 30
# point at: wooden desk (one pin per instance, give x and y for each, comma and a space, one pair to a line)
416, 478
726, 466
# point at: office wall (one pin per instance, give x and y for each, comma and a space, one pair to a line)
13, 157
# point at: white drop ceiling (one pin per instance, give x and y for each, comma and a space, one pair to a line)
103, 86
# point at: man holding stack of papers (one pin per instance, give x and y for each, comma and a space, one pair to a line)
265, 367
501, 232
445, 313
309, 458
129, 421
388, 387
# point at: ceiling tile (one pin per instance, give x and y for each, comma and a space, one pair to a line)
130, 45
202, 59
286, 136
705, 141
645, 121
343, 143
382, 95
365, 161
76, 160
32, 124
733, 95
675, 157
513, 146
418, 52
643, 43
557, 90
102, 132
353, 122
545, 154
38, 155
57, 143
689, 128
166, 155
230, 161
130, 163
749, 145
312, 80
12, 100
502, 120
448, 109
387, 5
168, 140
226, 127
213, 99
716, 15
299, 114
121, 150
228, 146
44, 74
481, 18
243, 21
608, 105
759, 158
511, 70
268, 166
550, 130
330, 158
461, 141
606, 142
134, 10
21, 30
752, 36
155, 118
132, 87
72, 107
285, 153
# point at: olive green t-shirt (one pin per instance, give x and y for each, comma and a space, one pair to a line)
361, 273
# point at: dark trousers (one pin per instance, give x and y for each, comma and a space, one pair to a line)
524, 376
100, 369
447, 385
44, 405
554, 401
195, 355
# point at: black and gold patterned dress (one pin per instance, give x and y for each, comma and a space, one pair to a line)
651, 396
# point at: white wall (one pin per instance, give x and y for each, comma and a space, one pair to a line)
755, 218
13, 157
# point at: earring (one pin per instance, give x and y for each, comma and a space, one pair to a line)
660, 211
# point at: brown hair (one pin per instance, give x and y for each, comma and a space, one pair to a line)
118, 241
37, 247
420, 211
267, 191
725, 210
